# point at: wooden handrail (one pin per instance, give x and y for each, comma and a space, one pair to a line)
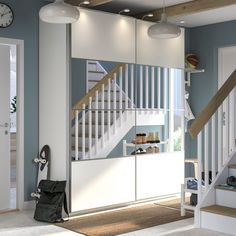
212, 106
97, 87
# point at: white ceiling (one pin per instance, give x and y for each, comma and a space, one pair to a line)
152, 4
204, 18
208, 17
137, 6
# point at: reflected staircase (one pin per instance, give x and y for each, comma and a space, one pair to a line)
107, 112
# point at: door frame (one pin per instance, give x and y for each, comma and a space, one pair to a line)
20, 119
228, 104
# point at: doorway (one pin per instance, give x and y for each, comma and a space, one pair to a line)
226, 65
11, 124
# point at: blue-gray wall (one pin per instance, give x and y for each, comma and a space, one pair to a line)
204, 42
78, 79
25, 27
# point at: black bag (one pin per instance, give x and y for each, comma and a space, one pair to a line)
52, 199
231, 181
193, 199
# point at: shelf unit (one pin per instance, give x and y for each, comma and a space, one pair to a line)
125, 145
190, 71
184, 190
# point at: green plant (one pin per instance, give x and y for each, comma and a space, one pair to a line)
13, 105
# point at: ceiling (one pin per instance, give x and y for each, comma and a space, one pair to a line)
198, 19
206, 18
137, 6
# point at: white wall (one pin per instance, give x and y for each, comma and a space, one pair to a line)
54, 95
103, 36
164, 53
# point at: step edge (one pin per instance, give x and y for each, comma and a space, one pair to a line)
232, 166
220, 212
225, 188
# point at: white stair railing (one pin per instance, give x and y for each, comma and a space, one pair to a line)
210, 148
213, 131
99, 114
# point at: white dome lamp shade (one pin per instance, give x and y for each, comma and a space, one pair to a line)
164, 29
59, 12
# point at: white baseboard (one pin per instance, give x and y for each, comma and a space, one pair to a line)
29, 205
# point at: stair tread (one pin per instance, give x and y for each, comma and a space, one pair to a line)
93, 123
232, 166
92, 62
80, 149
86, 136
93, 80
106, 90
110, 100
220, 210
111, 111
226, 188
96, 72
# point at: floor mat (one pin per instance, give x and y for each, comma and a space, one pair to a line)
125, 220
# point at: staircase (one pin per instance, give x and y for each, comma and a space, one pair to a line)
216, 209
95, 72
108, 111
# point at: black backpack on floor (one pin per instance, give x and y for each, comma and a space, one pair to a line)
51, 201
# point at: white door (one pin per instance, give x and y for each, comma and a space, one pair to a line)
4, 127
227, 64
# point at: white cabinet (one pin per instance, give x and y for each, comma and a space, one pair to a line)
159, 174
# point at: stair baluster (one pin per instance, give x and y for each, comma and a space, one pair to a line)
220, 140
83, 132
165, 94
109, 109
213, 146
132, 86
76, 135
120, 94
159, 88
96, 122
152, 87
114, 103
206, 156
126, 85
200, 165
102, 115
90, 126
147, 86
141, 88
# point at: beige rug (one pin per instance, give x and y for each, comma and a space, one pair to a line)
125, 220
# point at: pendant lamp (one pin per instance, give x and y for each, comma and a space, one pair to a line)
164, 29
59, 12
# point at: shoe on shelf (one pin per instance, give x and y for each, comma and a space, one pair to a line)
140, 139
153, 137
138, 151
153, 149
